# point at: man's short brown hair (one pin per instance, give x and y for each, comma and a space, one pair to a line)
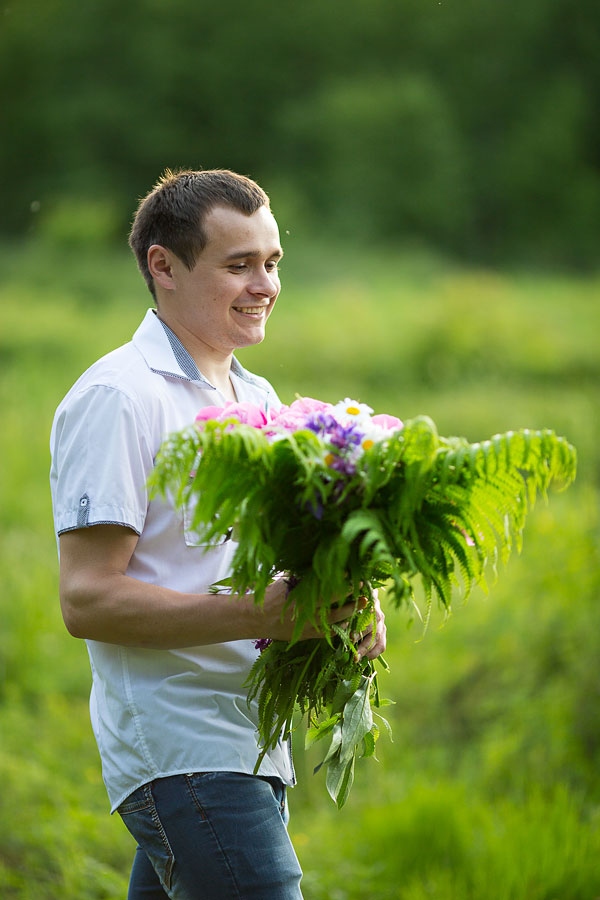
174, 212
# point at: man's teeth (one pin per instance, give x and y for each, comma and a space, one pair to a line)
250, 310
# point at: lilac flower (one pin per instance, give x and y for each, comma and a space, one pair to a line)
343, 464
345, 435
321, 423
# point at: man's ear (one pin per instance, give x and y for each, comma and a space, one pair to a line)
160, 266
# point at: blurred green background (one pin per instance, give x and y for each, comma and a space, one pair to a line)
435, 171
474, 127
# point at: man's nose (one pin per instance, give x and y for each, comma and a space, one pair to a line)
264, 284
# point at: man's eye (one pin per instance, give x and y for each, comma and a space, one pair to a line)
238, 267
272, 266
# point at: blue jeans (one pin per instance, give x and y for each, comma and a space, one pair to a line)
211, 836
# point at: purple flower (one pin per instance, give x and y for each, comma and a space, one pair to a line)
343, 464
321, 423
262, 644
345, 435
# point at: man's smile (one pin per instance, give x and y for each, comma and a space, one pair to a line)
251, 310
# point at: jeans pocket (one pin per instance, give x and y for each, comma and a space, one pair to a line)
141, 818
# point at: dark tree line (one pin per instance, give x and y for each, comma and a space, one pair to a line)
473, 126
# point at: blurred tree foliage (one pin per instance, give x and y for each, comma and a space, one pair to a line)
472, 127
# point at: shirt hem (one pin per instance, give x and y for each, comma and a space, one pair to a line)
288, 780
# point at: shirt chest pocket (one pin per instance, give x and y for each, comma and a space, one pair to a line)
191, 535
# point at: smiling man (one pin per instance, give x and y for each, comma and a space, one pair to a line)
176, 734
223, 302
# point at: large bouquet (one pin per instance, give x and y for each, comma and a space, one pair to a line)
342, 502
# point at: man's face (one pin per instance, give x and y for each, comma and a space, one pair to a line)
224, 302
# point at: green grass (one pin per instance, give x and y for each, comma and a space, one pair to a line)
441, 840
491, 787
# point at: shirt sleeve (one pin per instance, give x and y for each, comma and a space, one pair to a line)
101, 460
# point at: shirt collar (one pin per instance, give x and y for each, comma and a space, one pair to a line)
165, 354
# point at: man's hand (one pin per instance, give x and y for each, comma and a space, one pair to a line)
279, 620
369, 643
279, 614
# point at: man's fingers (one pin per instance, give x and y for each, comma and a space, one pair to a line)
372, 642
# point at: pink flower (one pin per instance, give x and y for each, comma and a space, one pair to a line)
390, 423
286, 418
307, 406
294, 417
209, 412
246, 413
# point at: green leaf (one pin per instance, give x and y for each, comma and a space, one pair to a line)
369, 741
339, 781
334, 748
386, 725
345, 690
321, 730
357, 719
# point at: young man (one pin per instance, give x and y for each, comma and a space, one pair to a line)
176, 734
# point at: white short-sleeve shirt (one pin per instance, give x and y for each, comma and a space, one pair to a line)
155, 712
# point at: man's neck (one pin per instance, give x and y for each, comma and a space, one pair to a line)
212, 365
225, 388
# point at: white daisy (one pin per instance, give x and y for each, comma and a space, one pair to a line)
351, 411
